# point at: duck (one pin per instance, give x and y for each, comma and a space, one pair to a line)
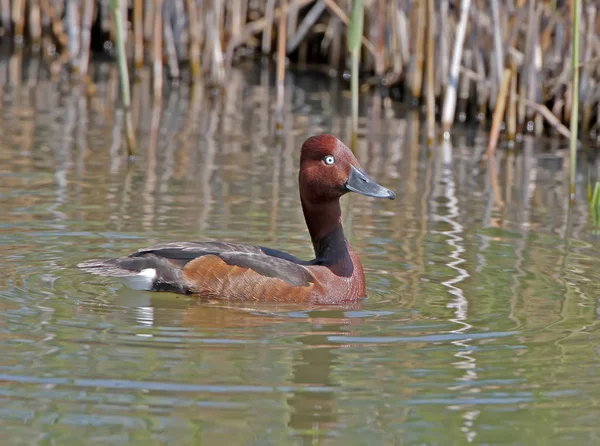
240, 272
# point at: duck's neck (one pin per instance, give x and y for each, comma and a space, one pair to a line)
324, 221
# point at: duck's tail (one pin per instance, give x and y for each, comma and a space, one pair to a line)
117, 267
148, 272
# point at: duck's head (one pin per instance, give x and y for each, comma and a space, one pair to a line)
329, 169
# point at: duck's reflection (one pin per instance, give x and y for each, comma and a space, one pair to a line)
314, 414
311, 414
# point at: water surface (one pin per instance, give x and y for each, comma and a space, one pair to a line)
480, 326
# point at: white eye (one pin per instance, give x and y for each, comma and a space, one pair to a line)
329, 159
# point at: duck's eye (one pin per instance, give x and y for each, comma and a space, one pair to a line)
329, 159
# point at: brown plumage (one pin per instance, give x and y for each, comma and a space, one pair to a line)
328, 170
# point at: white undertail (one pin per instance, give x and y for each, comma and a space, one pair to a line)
143, 281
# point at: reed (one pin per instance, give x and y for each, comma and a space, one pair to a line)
281, 56
124, 75
451, 92
499, 112
595, 205
430, 74
511, 113
354, 46
197, 40
575, 96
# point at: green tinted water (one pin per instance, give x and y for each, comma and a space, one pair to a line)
481, 323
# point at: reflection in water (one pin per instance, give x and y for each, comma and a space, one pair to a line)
481, 317
313, 415
460, 303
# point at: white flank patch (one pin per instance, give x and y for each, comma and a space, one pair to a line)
143, 281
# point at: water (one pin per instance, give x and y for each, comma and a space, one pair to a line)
481, 323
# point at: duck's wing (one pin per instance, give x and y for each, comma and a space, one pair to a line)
249, 276
210, 268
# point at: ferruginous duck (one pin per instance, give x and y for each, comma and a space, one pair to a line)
328, 170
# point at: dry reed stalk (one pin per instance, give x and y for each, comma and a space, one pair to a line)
180, 29
281, 37
444, 51
430, 80
170, 48
534, 89
157, 51
416, 75
587, 82
395, 52
35, 25
195, 64
511, 114
18, 17
499, 112
380, 41
124, 74
74, 30
86, 36
149, 19
267, 33
498, 49
214, 27
307, 23
138, 33
450, 98
539, 108
528, 78
575, 94
335, 53
252, 28
292, 19
465, 85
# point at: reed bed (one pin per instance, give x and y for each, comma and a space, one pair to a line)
449, 56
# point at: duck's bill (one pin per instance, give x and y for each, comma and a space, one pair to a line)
361, 183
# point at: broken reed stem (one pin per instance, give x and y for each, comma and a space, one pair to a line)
124, 74
430, 81
575, 96
450, 99
499, 113
354, 45
307, 23
281, 54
